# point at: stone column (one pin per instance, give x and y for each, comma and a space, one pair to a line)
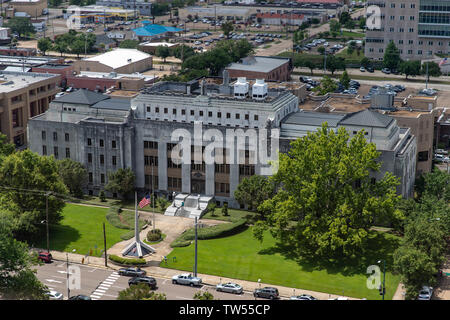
162, 165
186, 178
209, 182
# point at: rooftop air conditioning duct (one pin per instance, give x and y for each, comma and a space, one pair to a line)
241, 88
259, 90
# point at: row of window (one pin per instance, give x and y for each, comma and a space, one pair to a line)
201, 113
91, 178
55, 136
101, 143
55, 152
102, 159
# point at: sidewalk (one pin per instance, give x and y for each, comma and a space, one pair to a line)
156, 271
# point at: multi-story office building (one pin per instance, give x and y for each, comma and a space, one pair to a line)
206, 118
419, 28
24, 95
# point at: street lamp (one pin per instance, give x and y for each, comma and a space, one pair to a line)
383, 288
196, 253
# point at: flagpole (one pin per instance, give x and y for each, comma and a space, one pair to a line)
152, 198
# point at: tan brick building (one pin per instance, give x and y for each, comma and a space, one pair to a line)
32, 7
267, 68
22, 96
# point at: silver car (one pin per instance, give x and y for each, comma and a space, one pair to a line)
229, 287
303, 297
54, 295
186, 279
426, 293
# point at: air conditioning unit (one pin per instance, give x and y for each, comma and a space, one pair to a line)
241, 88
259, 90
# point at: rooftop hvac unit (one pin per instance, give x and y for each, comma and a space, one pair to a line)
259, 90
241, 88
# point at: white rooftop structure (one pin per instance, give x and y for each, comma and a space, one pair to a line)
114, 75
157, 44
119, 57
11, 81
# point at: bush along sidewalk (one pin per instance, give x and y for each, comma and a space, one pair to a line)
127, 261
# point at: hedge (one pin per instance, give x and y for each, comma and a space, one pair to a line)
126, 261
217, 231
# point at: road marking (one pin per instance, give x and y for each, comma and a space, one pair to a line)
103, 287
51, 280
93, 270
95, 296
61, 265
182, 298
60, 271
108, 281
99, 290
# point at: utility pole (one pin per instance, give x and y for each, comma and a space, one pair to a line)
67, 271
195, 263
152, 198
46, 221
104, 242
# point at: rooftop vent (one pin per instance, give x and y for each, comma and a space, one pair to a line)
241, 88
259, 90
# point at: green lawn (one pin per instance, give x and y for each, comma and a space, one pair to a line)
233, 215
242, 257
82, 229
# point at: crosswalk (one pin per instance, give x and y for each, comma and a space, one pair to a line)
104, 286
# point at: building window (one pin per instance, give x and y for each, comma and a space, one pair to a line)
102, 178
183, 112
210, 114
101, 143
89, 142
67, 152
66, 137
90, 177
201, 113
114, 160
90, 157
55, 136
151, 161
423, 156
156, 110
174, 111
55, 152
102, 159
166, 110
219, 114
150, 145
228, 115
44, 135
113, 144
44, 150
192, 112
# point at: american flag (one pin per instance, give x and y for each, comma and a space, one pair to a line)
442, 62
145, 201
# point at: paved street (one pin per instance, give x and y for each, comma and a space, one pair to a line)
105, 284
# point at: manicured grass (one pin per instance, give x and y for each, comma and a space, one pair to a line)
125, 204
82, 229
233, 215
242, 257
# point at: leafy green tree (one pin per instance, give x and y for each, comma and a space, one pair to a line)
162, 52
129, 44
162, 203
182, 52
311, 65
78, 46
21, 172
253, 191
74, 175
321, 50
344, 17
212, 208
44, 44
391, 58
6, 148
236, 49
20, 25
326, 85
433, 69
203, 295
225, 210
362, 23
121, 182
102, 196
409, 68
327, 201
437, 183
365, 62
17, 279
61, 47
140, 291
335, 26
345, 79
227, 28
335, 63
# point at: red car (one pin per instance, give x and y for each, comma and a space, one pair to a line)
45, 256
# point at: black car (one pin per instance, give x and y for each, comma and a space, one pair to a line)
266, 292
80, 297
148, 280
132, 272
370, 69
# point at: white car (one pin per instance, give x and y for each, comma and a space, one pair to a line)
303, 297
426, 293
89, 30
229, 287
54, 295
187, 279
59, 94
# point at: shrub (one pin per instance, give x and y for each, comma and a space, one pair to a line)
127, 261
154, 235
217, 231
102, 196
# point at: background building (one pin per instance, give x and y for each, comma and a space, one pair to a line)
267, 68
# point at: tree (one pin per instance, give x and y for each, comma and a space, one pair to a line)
74, 175
121, 182
345, 79
433, 69
365, 62
140, 291
335, 26
6, 148
362, 23
326, 201
61, 47
351, 47
102, 196
162, 52
78, 46
225, 210
129, 44
203, 295
321, 50
20, 173
311, 65
20, 25
162, 203
409, 68
44, 44
335, 63
344, 17
182, 52
227, 28
212, 208
326, 85
253, 191
391, 58
17, 280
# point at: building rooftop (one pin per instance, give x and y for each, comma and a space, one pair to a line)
310, 118
114, 75
11, 81
157, 44
368, 118
113, 104
150, 30
258, 64
119, 57
26, 61
82, 96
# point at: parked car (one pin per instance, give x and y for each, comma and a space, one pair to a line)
266, 292
370, 69
426, 293
89, 30
362, 69
440, 158
441, 151
133, 272
45, 256
303, 297
70, 89
186, 279
151, 282
428, 92
54, 295
80, 297
59, 94
386, 70
229, 287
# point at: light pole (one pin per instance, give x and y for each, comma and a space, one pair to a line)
195, 261
46, 221
383, 288
67, 271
